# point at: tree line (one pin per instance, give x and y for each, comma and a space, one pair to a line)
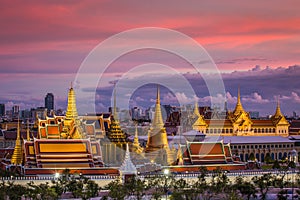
216, 186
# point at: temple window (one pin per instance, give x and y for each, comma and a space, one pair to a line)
259, 146
264, 146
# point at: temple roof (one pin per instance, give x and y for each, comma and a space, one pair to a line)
262, 122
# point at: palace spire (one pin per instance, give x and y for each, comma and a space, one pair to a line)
278, 110
16, 158
71, 109
72, 126
136, 145
238, 108
196, 109
158, 120
157, 143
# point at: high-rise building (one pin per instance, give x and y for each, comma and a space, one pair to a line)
49, 102
15, 111
2, 109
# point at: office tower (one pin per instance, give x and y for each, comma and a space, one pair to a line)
49, 102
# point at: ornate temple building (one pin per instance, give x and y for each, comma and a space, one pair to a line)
115, 144
199, 150
239, 123
157, 148
62, 142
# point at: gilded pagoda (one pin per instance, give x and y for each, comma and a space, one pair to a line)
157, 148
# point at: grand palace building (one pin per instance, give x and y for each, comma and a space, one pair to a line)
96, 143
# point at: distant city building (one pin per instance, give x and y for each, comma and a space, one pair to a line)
2, 109
15, 111
136, 113
49, 102
25, 114
39, 112
254, 114
295, 116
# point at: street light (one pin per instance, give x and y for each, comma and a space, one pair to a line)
166, 173
56, 175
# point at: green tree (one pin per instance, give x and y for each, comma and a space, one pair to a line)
252, 157
116, 190
181, 189
282, 195
136, 187
292, 164
247, 189
263, 183
276, 165
268, 158
14, 191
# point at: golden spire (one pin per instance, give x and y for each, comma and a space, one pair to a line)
136, 145
72, 125
238, 108
196, 109
28, 132
278, 111
16, 158
72, 109
115, 133
157, 135
115, 114
158, 120
136, 137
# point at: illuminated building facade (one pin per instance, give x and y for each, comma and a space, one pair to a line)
239, 123
62, 142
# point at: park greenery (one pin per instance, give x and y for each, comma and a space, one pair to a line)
207, 185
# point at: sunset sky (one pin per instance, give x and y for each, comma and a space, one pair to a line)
255, 45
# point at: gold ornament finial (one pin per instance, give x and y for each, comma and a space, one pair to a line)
28, 131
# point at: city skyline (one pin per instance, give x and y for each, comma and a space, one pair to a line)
44, 43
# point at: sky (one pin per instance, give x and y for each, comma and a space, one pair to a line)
255, 46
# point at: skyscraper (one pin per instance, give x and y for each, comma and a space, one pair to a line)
15, 111
2, 109
49, 102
